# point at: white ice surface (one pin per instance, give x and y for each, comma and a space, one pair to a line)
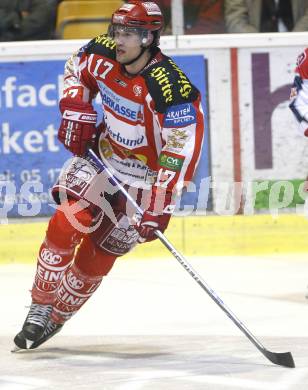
151, 326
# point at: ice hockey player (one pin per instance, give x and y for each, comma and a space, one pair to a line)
150, 138
299, 93
299, 99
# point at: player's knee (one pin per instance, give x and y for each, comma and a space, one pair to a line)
67, 225
92, 260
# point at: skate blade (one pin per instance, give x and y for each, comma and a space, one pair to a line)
17, 349
28, 346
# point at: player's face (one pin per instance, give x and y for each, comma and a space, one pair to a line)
128, 44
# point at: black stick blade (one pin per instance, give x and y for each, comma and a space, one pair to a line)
282, 359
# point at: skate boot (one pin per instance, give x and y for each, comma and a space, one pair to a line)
34, 325
51, 329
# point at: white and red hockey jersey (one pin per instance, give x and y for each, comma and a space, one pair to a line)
153, 122
299, 93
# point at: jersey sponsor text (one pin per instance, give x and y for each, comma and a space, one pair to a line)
180, 115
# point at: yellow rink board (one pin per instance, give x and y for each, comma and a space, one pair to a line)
200, 236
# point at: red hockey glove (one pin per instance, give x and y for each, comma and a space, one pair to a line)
77, 129
157, 216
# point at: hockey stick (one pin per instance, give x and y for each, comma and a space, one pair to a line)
282, 359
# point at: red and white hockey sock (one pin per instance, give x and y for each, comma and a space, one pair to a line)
57, 252
73, 291
51, 265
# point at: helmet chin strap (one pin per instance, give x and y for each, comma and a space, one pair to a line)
143, 49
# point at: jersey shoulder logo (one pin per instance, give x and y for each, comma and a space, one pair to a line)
168, 84
102, 45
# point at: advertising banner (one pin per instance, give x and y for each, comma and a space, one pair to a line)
31, 156
274, 162
258, 158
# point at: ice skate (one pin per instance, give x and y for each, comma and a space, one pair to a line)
21, 342
34, 326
